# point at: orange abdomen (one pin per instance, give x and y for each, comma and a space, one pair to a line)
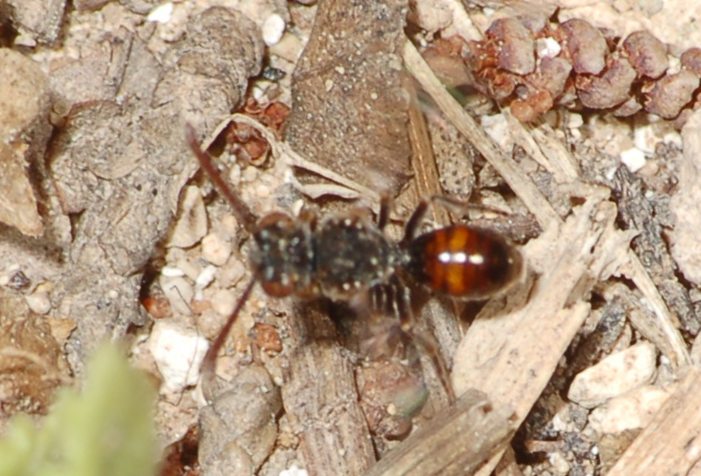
464, 262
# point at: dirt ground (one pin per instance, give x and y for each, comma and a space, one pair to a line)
570, 127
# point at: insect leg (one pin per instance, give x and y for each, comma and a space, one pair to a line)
383, 216
210, 358
427, 342
243, 213
412, 224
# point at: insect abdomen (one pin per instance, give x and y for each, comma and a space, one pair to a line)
464, 262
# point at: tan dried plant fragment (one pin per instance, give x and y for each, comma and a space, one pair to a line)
18, 205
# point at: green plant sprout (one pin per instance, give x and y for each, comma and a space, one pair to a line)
103, 430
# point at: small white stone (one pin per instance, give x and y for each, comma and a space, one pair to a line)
547, 47
645, 138
179, 293
231, 274
39, 302
615, 375
294, 470
178, 353
559, 463
216, 249
497, 127
674, 138
249, 174
172, 272
633, 158
161, 14
206, 277
223, 302
633, 410
575, 121
272, 29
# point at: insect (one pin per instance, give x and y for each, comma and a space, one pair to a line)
343, 257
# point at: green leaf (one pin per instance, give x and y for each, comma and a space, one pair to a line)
106, 429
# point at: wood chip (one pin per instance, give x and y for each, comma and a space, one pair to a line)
671, 443
455, 442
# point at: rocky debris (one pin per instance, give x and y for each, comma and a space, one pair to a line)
615, 375
239, 428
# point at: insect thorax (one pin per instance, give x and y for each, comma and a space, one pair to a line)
352, 255
341, 258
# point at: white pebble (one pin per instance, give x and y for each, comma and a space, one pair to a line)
178, 353
633, 410
206, 277
172, 272
633, 158
497, 127
179, 293
674, 138
161, 14
615, 375
223, 302
39, 302
294, 470
216, 249
273, 28
575, 121
645, 138
547, 47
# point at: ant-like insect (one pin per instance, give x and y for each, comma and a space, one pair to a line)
343, 257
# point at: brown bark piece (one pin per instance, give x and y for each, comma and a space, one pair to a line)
349, 109
321, 400
24, 131
18, 205
455, 442
670, 444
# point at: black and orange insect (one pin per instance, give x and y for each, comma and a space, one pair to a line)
343, 257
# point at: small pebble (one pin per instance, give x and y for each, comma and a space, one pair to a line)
39, 302
294, 470
161, 14
223, 302
191, 270
547, 47
178, 353
172, 272
615, 375
272, 29
216, 249
232, 273
633, 158
497, 127
205, 277
633, 410
179, 293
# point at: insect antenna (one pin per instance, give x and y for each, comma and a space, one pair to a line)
210, 358
243, 213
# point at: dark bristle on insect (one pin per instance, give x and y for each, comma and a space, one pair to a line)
347, 257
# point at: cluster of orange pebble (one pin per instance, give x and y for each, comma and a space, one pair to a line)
535, 68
